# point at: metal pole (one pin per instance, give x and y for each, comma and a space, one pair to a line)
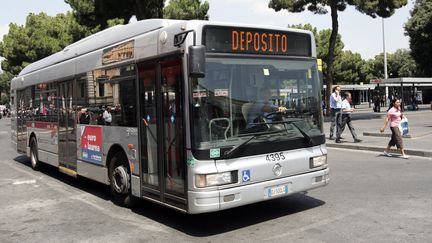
384, 50
385, 62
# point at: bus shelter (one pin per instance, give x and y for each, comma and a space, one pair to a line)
408, 87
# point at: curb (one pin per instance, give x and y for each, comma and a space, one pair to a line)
422, 153
388, 135
377, 134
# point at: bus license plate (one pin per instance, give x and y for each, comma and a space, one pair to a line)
273, 191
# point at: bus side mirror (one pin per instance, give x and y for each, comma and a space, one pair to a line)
197, 61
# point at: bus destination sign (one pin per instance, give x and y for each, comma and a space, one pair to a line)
218, 39
118, 53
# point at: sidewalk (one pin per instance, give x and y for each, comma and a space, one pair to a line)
367, 124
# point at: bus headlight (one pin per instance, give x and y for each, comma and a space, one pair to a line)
318, 161
215, 179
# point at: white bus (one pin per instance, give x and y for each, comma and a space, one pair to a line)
171, 111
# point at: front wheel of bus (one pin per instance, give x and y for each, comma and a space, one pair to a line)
120, 181
34, 159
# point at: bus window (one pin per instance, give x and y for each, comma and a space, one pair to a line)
112, 103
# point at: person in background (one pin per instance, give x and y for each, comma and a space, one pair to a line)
107, 116
335, 107
84, 116
394, 116
346, 119
414, 103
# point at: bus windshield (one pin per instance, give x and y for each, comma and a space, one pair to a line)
242, 97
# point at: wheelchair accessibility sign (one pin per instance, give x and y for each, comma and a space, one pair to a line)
246, 175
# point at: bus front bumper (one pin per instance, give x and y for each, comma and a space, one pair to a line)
202, 202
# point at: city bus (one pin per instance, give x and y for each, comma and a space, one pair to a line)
166, 110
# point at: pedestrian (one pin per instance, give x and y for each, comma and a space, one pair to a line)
377, 107
394, 116
346, 111
107, 116
84, 117
335, 107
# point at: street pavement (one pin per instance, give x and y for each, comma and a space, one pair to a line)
370, 198
367, 124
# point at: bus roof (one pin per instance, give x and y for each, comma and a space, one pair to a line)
99, 40
65, 64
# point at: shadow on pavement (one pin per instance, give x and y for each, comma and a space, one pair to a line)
203, 225
200, 225
98, 189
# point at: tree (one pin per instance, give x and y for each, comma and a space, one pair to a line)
400, 64
419, 29
309, 27
101, 14
186, 9
97, 14
41, 36
322, 39
382, 8
349, 68
323, 45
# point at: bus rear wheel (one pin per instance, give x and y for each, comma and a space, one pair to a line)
119, 175
34, 159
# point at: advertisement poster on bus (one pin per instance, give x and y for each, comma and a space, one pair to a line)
91, 144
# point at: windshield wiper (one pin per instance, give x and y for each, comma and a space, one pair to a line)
228, 154
303, 133
307, 137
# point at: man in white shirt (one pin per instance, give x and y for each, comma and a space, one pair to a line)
107, 116
335, 107
346, 119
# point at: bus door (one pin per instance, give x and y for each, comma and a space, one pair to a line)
21, 118
162, 139
67, 133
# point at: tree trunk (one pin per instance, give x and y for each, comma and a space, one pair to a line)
330, 68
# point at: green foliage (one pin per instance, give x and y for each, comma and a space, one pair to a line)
186, 9
305, 27
4, 100
399, 64
101, 14
376, 8
5, 78
41, 36
323, 45
114, 22
349, 68
373, 8
322, 40
419, 29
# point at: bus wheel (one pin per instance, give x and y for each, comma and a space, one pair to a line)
34, 160
120, 181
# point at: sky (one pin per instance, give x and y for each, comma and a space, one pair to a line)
360, 33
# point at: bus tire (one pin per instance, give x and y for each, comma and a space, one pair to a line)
34, 159
120, 185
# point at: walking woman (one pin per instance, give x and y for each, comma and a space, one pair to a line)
394, 116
